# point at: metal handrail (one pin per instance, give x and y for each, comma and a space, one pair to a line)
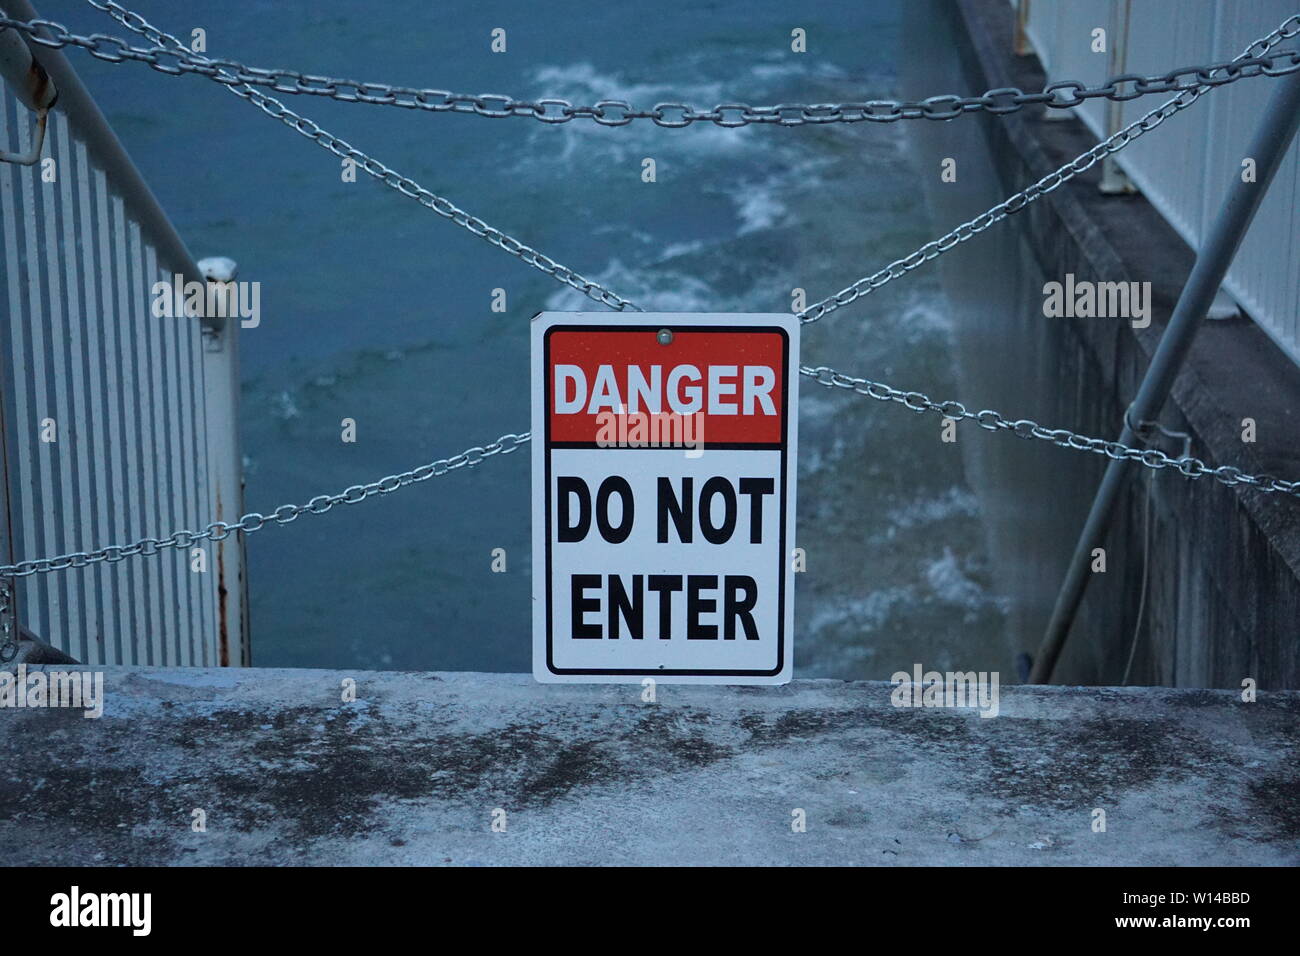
1273, 137
76, 103
146, 404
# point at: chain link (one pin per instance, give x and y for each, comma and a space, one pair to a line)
823, 375
1250, 62
443, 207
1053, 180
373, 167
1025, 428
255, 521
8, 643
1067, 94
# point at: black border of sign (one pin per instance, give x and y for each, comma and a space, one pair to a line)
785, 462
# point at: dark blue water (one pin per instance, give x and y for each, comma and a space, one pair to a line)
377, 310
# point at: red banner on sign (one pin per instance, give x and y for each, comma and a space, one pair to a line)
716, 385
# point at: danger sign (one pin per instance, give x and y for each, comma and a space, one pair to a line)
663, 497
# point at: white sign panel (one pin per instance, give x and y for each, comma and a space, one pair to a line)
663, 497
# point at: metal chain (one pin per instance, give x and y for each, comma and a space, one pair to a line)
917, 401
1066, 94
443, 207
255, 521
1025, 428
389, 177
1080, 164
8, 643
988, 419
1206, 81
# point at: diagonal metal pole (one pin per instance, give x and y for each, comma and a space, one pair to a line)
1269, 144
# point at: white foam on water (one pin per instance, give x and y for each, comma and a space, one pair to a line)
284, 406
594, 144
923, 313
955, 502
654, 290
818, 405
865, 613
690, 248
780, 67
950, 584
758, 209
583, 82
763, 203
764, 84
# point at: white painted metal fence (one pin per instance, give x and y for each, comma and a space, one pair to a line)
116, 424
1185, 170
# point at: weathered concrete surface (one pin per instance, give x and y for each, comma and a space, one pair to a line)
411, 772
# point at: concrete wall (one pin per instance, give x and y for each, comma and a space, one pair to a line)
417, 767
1222, 595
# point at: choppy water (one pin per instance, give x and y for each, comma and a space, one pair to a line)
377, 310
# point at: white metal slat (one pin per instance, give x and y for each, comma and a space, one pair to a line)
147, 394
172, 490
33, 463
97, 485
1291, 304
120, 575
204, 500
124, 393
176, 636
60, 505
155, 475
186, 510
131, 502
63, 450
8, 224
1196, 44
193, 508
1218, 110
1258, 277
1153, 47
1184, 168
189, 510
165, 410
73, 426
11, 186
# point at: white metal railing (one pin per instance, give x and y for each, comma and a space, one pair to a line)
116, 424
1185, 173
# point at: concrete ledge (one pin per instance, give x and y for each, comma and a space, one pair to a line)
411, 772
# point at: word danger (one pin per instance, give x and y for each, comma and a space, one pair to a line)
684, 389
611, 605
